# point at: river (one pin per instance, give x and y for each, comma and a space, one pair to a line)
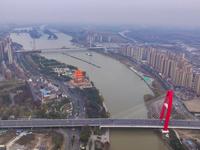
121, 88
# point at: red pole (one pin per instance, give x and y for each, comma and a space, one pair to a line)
168, 110
163, 107
168, 98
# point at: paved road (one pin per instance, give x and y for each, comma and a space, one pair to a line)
68, 133
102, 122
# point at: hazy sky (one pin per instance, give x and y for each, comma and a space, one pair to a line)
144, 12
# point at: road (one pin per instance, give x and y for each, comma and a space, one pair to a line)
76, 100
68, 133
102, 122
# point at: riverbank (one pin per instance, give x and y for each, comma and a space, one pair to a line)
148, 82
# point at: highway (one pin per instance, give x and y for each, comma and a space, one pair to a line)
102, 122
77, 102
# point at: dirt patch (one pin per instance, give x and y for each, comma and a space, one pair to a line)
5, 137
26, 139
50, 140
193, 105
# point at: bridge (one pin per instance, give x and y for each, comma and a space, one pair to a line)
113, 122
51, 50
101, 122
58, 49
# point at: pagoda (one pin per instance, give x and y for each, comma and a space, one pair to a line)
78, 77
79, 80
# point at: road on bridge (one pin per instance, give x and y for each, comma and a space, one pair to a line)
102, 122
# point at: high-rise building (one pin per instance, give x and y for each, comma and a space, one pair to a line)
163, 64
159, 62
149, 55
174, 74
188, 67
145, 52
105, 38
10, 53
188, 80
153, 59
168, 53
167, 67
125, 50
197, 84
183, 80
172, 56
181, 62
179, 77
137, 52
97, 38
2, 52
140, 52
182, 55
128, 51
177, 59
173, 65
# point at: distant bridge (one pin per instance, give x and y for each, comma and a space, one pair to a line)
51, 50
58, 49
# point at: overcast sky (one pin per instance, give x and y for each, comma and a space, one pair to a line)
144, 12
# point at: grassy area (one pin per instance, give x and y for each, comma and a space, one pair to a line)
41, 65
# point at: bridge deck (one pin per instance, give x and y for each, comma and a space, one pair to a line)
104, 123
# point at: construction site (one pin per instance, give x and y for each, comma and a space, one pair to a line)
25, 140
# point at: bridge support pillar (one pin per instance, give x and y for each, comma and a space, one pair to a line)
167, 105
164, 131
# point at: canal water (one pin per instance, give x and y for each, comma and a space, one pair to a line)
121, 88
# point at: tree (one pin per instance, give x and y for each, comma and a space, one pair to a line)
107, 145
72, 67
84, 137
38, 103
4, 118
92, 83
40, 113
84, 73
28, 100
175, 143
45, 106
2, 110
108, 114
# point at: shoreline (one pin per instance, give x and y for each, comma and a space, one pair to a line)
149, 85
104, 105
